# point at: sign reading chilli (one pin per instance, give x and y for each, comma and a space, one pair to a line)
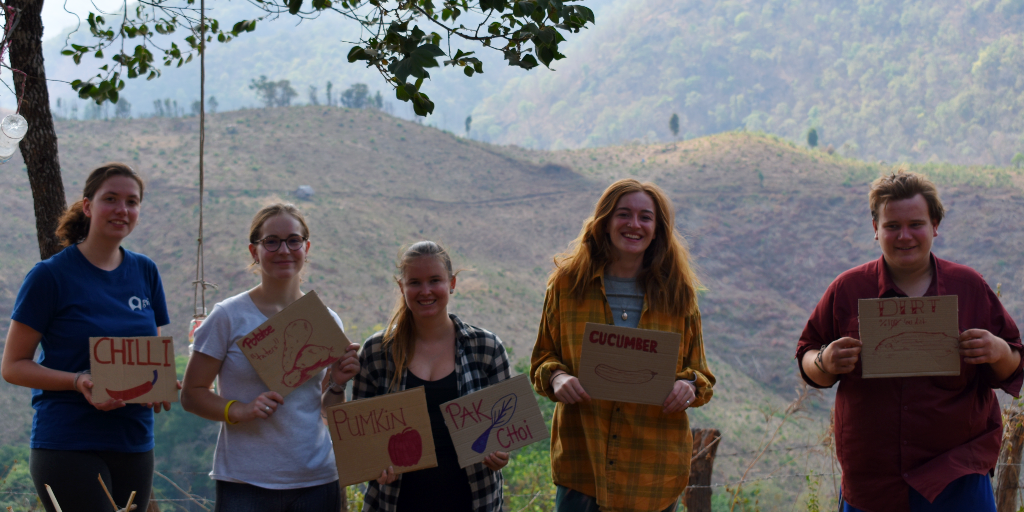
137, 370
628, 365
294, 345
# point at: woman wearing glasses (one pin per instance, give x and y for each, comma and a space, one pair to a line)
272, 454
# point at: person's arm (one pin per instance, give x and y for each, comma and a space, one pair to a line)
19, 368
342, 371
198, 399
694, 381
825, 366
548, 373
979, 346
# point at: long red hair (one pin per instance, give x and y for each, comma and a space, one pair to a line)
669, 281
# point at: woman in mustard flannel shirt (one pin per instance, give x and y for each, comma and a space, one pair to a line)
628, 266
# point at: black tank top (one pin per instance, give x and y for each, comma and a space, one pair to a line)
446, 487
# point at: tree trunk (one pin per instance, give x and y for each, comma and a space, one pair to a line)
1008, 470
705, 445
39, 147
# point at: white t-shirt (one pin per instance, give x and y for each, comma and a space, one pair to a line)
291, 449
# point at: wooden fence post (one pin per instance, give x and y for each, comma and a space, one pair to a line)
1008, 470
697, 497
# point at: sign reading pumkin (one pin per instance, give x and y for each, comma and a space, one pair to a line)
388, 430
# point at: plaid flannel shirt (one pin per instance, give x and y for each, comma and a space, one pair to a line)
630, 457
480, 360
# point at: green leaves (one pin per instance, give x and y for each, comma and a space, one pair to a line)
526, 32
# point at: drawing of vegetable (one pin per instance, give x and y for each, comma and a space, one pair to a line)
501, 413
135, 392
406, 447
622, 376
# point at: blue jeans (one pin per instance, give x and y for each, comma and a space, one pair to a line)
568, 500
969, 492
235, 497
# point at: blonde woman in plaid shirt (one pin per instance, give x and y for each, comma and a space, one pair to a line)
628, 266
424, 345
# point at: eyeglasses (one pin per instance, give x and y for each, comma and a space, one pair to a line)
273, 243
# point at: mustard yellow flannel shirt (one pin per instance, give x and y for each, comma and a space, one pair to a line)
630, 457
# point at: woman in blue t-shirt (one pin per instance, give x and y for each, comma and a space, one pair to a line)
94, 287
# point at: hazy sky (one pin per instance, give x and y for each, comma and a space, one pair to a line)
55, 19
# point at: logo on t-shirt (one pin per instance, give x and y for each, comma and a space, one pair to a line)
137, 303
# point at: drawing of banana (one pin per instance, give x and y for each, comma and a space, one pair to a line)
622, 376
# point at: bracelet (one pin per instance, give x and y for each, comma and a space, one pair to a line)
817, 359
78, 375
551, 381
334, 388
226, 418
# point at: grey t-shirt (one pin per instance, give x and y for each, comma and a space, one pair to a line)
624, 295
289, 450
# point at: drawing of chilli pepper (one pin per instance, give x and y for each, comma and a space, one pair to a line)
135, 392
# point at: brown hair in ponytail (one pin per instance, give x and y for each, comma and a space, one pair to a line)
399, 333
74, 225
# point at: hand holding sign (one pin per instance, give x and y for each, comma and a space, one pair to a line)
568, 389
978, 346
841, 356
84, 385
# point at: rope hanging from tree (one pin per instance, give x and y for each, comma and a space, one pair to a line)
200, 284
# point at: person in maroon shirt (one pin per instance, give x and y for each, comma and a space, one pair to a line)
913, 443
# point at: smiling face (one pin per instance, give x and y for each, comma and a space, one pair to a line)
632, 226
426, 286
905, 231
283, 263
114, 208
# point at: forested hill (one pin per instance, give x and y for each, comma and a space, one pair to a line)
769, 224
889, 80
880, 79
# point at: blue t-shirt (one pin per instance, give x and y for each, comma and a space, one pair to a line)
68, 299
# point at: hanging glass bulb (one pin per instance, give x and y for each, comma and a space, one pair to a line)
7, 147
14, 126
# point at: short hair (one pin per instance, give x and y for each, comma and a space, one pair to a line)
904, 184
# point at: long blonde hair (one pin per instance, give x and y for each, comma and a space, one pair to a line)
668, 279
399, 334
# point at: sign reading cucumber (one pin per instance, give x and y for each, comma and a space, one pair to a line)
628, 365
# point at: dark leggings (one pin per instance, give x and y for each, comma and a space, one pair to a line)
72, 476
236, 497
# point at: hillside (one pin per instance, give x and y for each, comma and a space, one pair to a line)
880, 79
769, 225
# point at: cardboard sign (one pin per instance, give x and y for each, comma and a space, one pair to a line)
628, 365
137, 370
504, 416
909, 336
388, 430
295, 344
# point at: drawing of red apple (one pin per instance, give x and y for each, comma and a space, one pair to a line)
406, 447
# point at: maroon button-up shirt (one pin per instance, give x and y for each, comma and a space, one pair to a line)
921, 432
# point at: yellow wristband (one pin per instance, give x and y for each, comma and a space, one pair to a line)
227, 419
